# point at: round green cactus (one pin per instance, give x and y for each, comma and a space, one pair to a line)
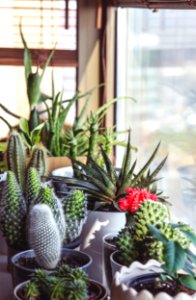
149, 212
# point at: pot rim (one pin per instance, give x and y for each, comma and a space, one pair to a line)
32, 254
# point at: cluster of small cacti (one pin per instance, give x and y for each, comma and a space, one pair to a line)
138, 243
75, 210
66, 283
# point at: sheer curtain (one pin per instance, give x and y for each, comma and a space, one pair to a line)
156, 64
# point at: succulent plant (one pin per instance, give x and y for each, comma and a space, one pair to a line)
75, 210
15, 155
32, 186
149, 212
13, 213
105, 183
38, 160
44, 236
47, 196
65, 284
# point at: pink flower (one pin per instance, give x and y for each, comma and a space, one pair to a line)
133, 199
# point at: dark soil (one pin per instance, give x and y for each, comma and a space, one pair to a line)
74, 261
155, 285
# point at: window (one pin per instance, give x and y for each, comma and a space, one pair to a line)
156, 55
44, 23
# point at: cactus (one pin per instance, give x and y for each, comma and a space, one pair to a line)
38, 160
15, 156
44, 236
154, 250
32, 186
149, 212
125, 243
175, 234
75, 210
13, 213
47, 196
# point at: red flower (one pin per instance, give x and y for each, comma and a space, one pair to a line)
133, 199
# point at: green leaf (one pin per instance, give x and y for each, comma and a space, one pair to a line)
27, 55
174, 256
35, 133
24, 126
190, 235
188, 281
157, 234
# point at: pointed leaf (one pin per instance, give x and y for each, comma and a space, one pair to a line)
27, 55
174, 256
188, 281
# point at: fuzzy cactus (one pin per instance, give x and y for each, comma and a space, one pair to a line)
75, 210
32, 186
15, 155
13, 213
149, 212
44, 236
38, 160
47, 196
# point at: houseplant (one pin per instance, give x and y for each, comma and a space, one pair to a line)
67, 283
104, 185
152, 236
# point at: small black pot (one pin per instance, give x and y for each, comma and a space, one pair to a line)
96, 291
22, 273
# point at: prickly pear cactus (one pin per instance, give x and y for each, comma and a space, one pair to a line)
32, 186
13, 213
15, 155
38, 160
149, 212
44, 236
126, 245
47, 196
75, 210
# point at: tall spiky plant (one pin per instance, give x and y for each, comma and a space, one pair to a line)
106, 184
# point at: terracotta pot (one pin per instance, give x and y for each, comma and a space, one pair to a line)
121, 284
22, 273
98, 224
97, 290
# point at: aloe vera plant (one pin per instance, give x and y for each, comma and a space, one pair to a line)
106, 184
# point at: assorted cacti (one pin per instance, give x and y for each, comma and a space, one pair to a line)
75, 210
138, 242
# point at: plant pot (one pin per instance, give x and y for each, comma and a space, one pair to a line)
75, 244
126, 278
3, 245
108, 248
96, 291
24, 263
98, 224
57, 164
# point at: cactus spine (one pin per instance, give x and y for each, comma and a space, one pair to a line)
44, 236
47, 196
33, 185
15, 156
13, 212
38, 160
75, 210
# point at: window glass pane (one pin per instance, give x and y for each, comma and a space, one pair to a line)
13, 91
157, 66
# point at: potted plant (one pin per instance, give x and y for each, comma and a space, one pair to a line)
152, 236
65, 284
104, 185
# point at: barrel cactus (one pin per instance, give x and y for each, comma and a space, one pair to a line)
13, 213
75, 210
44, 236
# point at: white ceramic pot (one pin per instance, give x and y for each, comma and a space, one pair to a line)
121, 289
3, 245
98, 224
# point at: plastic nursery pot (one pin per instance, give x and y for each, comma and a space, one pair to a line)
108, 248
141, 274
24, 263
96, 291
